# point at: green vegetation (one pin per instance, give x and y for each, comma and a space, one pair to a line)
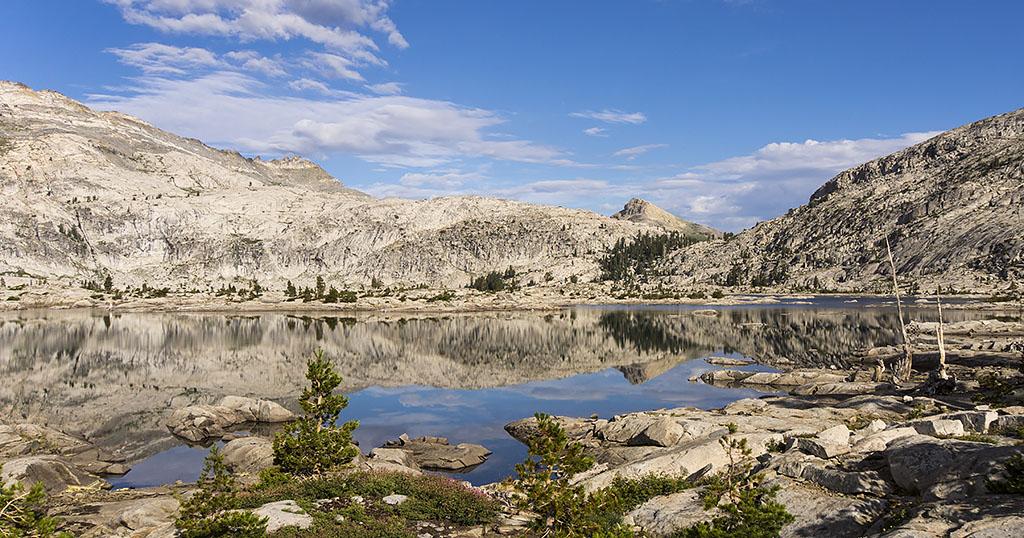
639, 257
315, 444
5, 145
751, 510
211, 511
993, 390
1014, 481
495, 281
22, 514
563, 509
320, 292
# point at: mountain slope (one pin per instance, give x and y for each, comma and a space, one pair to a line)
951, 208
86, 194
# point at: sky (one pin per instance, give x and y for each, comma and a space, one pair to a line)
724, 112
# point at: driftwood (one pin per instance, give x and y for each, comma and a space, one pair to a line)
902, 366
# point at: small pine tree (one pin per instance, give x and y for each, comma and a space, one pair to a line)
751, 510
320, 287
289, 290
544, 479
21, 512
108, 284
211, 511
315, 444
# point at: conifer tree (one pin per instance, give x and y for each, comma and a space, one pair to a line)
315, 444
211, 511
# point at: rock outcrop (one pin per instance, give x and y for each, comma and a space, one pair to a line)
638, 210
835, 480
200, 422
950, 206
435, 454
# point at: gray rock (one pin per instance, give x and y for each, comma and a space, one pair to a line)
820, 514
149, 514
818, 471
436, 454
728, 361
821, 448
663, 515
395, 500
282, 514
839, 435
199, 422
663, 432
55, 472
248, 454
937, 426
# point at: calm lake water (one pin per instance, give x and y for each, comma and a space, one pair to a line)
116, 378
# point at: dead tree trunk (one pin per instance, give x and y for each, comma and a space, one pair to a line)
901, 369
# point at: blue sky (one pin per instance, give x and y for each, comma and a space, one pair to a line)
723, 112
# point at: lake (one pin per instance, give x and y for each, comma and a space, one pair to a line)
117, 377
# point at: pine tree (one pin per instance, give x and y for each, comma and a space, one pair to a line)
315, 444
211, 511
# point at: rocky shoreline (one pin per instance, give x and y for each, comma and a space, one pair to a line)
853, 456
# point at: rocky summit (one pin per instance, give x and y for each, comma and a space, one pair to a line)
87, 194
951, 208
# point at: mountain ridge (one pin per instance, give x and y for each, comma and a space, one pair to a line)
90, 194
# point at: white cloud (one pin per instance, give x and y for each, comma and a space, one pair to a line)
632, 152
386, 88
334, 24
227, 108
737, 192
332, 66
439, 179
267, 66
835, 155
612, 116
166, 59
595, 131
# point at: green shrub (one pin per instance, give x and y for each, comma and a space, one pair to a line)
212, 511
750, 510
1014, 482
718, 294
315, 444
992, 390
22, 514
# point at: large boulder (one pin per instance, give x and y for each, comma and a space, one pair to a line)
944, 468
55, 472
199, 422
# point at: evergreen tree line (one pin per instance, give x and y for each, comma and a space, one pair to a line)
631, 258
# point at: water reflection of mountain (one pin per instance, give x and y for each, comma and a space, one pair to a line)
116, 377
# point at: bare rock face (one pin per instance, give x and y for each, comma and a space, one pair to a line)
85, 194
638, 210
952, 208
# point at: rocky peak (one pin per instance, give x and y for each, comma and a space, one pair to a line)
640, 210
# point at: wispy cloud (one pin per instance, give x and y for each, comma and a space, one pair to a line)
384, 129
612, 116
166, 59
386, 88
595, 131
632, 152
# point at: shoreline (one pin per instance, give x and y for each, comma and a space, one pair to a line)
464, 301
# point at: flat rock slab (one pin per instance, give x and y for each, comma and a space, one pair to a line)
283, 514
55, 472
435, 453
